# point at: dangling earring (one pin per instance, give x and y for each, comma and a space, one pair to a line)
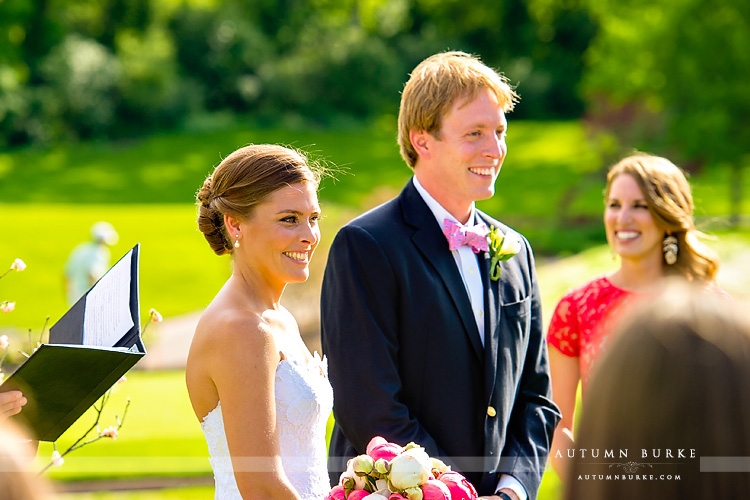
237, 241
671, 249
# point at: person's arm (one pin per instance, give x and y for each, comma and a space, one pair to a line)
564, 341
11, 403
534, 414
360, 332
243, 367
565, 377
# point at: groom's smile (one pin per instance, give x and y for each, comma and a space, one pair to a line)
483, 171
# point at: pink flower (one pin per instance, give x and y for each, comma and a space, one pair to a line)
3, 341
110, 432
155, 316
7, 307
336, 493
396, 496
435, 490
459, 487
57, 459
18, 265
376, 441
380, 448
357, 495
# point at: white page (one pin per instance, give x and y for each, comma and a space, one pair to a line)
107, 314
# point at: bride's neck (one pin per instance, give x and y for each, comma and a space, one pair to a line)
258, 288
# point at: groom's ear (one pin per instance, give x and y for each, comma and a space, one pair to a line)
420, 141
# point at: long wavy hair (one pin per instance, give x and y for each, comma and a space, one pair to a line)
670, 202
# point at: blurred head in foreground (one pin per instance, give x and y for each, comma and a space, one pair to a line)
18, 479
676, 378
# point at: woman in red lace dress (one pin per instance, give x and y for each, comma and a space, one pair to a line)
648, 218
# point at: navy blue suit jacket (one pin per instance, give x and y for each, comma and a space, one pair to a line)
405, 358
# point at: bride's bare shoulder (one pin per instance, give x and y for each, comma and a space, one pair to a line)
231, 353
234, 326
230, 328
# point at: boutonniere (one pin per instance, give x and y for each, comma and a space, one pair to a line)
502, 247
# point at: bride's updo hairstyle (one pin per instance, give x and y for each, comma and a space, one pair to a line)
241, 181
670, 202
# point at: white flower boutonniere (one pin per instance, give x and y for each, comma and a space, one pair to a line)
502, 247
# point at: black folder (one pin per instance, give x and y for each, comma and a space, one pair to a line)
62, 379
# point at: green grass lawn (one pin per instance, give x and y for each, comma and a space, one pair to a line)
194, 493
549, 167
178, 271
160, 437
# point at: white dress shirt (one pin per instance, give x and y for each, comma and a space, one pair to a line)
468, 267
466, 259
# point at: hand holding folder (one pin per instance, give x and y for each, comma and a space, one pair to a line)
90, 348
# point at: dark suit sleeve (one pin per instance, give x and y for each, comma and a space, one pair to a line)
360, 333
534, 415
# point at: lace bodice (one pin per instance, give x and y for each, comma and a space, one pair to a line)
584, 319
304, 399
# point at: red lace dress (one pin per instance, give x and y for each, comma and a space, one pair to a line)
583, 320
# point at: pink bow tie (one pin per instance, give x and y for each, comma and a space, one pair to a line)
458, 234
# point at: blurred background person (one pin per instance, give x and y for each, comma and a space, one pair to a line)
89, 261
648, 219
676, 377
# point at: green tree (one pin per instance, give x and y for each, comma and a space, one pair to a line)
538, 48
672, 78
106, 68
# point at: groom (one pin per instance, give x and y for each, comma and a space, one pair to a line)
423, 345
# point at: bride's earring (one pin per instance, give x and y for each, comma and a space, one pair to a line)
237, 241
670, 248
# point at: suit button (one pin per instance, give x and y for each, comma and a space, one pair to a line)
491, 411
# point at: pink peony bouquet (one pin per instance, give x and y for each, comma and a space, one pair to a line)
392, 472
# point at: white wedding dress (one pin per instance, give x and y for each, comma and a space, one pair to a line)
304, 399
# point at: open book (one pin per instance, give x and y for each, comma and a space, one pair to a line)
90, 348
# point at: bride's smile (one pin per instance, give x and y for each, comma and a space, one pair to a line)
279, 237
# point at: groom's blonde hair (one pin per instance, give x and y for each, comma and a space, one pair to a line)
435, 85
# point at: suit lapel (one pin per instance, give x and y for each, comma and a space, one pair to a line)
431, 242
492, 311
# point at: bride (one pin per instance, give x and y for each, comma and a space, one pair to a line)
262, 399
